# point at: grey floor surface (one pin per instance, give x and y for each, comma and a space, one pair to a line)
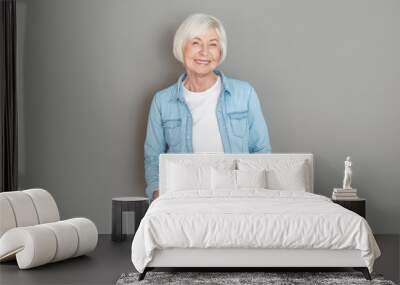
110, 260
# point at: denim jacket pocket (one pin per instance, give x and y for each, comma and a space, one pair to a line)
172, 131
239, 123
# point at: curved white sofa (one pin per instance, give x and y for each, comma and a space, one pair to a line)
31, 230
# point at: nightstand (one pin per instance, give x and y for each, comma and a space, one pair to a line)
357, 205
138, 205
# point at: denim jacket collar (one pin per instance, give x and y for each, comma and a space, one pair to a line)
179, 83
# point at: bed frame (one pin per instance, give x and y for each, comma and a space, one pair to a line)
242, 259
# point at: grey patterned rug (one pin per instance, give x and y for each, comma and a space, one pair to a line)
231, 278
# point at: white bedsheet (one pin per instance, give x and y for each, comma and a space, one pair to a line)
251, 218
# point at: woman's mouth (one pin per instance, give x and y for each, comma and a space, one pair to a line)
200, 61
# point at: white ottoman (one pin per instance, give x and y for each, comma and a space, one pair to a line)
31, 232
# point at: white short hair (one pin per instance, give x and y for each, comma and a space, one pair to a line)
195, 25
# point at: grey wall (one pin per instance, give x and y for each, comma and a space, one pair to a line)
327, 74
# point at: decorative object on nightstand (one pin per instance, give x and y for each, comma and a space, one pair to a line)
356, 205
347, 173
138, 205
347, 196
344, 194
347, 192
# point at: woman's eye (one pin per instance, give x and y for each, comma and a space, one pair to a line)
213, 45
195, 43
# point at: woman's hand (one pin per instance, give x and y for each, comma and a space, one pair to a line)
156, 194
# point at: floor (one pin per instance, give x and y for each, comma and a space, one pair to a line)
110, 260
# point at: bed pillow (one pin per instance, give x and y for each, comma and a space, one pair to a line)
188, 174
188, 177
223, 179
287, 179
281, 174
229, 179
251, 178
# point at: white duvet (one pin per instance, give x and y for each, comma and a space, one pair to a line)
251, 218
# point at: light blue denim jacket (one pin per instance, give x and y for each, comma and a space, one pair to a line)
169, 129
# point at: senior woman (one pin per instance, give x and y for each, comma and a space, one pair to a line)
205, 111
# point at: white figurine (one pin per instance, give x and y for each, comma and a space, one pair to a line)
347, 174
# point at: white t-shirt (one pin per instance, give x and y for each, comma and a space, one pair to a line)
205, 130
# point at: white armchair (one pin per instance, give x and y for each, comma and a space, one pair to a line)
31, 230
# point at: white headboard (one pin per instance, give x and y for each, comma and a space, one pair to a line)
166, 157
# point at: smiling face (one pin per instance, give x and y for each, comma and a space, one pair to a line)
202, 54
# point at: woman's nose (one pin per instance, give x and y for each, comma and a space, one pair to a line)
204, 50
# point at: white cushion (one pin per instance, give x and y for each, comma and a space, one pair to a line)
251, 178
223, 179
288, 179
188, 177
67, 239
46, 207
227, 179
40, 244
87, 233
33, 246
187, 174
282, 174
23, 208
7, 220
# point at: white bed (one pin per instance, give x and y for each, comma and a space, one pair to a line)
249, 227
